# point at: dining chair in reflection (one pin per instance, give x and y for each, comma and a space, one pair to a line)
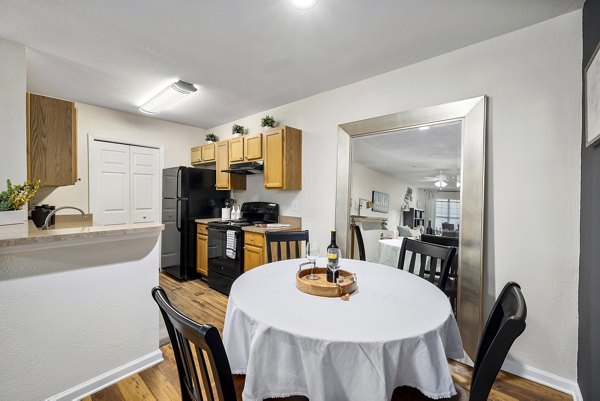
428, 255
283, 240
504, 325
359, 240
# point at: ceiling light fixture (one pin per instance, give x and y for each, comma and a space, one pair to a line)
440, 184
168, 97
304, 4
425, 128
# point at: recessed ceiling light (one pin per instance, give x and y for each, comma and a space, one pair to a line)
168, 97
304, 4
425, 128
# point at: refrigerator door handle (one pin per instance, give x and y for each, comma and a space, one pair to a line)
178, 215
177, 193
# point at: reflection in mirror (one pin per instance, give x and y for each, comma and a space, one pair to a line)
419, 169
410, 173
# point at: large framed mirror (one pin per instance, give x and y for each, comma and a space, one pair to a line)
408, 170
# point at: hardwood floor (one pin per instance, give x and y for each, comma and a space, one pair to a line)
194, 298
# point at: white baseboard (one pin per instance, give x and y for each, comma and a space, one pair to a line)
547, 379
111, 377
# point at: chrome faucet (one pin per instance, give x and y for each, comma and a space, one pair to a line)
46, 225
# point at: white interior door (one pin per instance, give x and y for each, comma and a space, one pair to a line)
111, 192
145, 173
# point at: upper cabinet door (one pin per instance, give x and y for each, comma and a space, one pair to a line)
253, 147
236, 149
208, 152
145, 173
222, 164
273, 168
197, 155
51, 141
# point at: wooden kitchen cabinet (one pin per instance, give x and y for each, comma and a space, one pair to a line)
51, 141
253, 147
236, 149
227, 181
197, 155
202, 249
208, 152
203, 154
282, 153
255, 253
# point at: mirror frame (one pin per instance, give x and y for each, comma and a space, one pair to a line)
473, 114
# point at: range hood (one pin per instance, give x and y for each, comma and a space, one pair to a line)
245, 168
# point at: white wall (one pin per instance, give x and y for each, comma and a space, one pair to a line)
13, 152
533, 80
76, 314
366, 180
177, 140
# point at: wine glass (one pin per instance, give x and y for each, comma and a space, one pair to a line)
439, 231
312, 254
334, 262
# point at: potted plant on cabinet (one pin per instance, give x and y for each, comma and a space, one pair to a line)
237, 130
267, 122
12, 201
210, 138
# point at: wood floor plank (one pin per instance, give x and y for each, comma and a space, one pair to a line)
197, 300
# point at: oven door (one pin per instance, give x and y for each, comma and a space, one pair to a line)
225, 262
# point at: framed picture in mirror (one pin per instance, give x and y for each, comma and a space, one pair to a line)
592, 99
381, 202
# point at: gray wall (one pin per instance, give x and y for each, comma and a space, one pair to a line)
588, 363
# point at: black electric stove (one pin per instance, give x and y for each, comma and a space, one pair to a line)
226, 243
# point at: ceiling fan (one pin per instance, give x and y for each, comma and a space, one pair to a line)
440, 180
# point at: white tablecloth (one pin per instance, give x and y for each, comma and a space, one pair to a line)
398, 329
389, 251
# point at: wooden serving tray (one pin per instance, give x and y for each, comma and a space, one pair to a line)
321, 287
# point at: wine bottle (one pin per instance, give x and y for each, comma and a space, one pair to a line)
332, 258
429, 229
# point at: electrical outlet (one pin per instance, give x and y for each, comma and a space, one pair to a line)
294, 205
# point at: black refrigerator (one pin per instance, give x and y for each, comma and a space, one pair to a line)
188, 194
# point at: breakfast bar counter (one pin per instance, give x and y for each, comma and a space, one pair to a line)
74, 300
28, 234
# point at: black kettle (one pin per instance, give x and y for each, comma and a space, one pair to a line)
39, 214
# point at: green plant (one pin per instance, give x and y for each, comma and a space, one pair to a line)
237, 129
267, 121
16, 196
211, 138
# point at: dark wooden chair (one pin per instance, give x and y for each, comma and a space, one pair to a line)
285, 238
451, 289
431, 253
191, 341
504, 325
360, 242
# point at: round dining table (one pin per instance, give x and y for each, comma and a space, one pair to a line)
395, 330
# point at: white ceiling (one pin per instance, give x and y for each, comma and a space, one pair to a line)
246, 56
412, 155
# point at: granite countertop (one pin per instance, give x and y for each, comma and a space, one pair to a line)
206, 221
29, 234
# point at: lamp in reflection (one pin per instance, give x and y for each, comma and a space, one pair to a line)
368, 204
440, 184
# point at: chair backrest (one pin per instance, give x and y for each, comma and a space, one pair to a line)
505, 323
446, 241
447, 226
285, 238
431, 253
196, 345
360, 242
